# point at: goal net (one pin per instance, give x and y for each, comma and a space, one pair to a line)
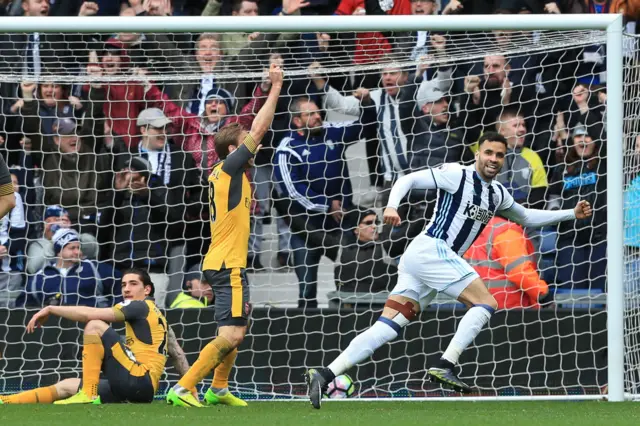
112, 135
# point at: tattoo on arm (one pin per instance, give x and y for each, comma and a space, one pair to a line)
176, 353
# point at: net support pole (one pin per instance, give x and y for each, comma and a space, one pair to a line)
615, 212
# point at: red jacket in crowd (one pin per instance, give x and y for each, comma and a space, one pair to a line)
400, 7
370, 46
189, 129
124, 101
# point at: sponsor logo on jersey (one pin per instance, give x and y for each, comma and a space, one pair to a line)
477, 213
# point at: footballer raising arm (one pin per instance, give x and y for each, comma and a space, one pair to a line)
226, 260
243, 154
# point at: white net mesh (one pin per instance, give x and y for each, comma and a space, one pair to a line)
69, 122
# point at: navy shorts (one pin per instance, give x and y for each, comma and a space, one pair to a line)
231, 292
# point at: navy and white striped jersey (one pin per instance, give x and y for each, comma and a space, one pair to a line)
465, 204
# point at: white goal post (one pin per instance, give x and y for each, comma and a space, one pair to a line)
611, 23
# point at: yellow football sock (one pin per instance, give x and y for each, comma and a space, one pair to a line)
36, 396
222, 371
209, 358
92, 356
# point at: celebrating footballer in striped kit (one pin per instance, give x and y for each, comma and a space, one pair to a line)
468, 197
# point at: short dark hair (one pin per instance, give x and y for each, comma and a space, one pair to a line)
507, 113
226, 137
492, 137
295, 105
144, 277
236, 6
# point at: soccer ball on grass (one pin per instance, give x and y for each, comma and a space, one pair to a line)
341, 387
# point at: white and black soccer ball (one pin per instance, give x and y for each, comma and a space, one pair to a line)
341, 387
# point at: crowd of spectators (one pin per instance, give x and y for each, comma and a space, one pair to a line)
111, 173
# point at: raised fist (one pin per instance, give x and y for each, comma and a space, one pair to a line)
28, 89
471, 84
276, 75
362, 94
88, 8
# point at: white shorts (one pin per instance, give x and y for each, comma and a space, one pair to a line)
429, 267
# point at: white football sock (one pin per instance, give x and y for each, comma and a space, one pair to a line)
220, 391
364, 344
470, 326
180, 390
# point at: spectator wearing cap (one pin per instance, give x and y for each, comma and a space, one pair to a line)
40, 106
581, 246
13, 229
434, 142
69, 280
149, 201
196, 291
362, 267
41, 251
196, 133
49, 101
75, 172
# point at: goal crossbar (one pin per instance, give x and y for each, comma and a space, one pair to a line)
304, 23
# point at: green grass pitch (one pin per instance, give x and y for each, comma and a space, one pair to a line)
350, 413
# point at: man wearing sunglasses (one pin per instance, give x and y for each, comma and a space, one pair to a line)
362, 268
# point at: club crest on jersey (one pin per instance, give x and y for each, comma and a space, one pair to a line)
477, 213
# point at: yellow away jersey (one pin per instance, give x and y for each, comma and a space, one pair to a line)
146, 334
229, 204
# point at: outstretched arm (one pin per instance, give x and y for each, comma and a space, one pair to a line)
423, 179
73, 313
538, 218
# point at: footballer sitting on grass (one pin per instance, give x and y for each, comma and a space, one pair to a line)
131, 372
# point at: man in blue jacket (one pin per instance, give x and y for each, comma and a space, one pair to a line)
69, 280
312, 175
